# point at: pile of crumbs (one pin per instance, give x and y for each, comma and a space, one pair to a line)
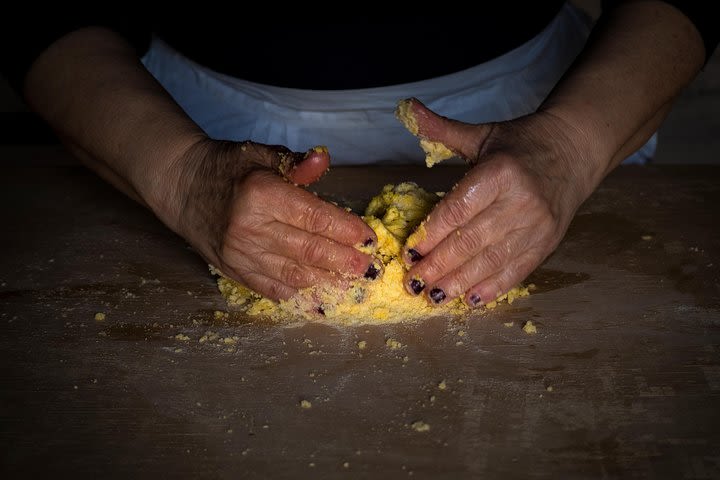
396, 215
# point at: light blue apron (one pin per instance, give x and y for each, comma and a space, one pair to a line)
359, 126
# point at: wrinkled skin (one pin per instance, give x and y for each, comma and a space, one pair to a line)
260, 229
505, 216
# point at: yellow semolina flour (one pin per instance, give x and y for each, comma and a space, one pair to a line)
396, 216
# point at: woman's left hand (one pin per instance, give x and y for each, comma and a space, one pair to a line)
506, 215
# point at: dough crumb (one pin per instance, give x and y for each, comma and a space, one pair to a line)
529, 328
393, 344
442, 385
647, 237
549, 388
509, 324
420, 426
362, 345
100, 317
181, 337
346, 465
305, 404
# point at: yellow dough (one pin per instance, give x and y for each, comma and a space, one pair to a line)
435, 152
393, 214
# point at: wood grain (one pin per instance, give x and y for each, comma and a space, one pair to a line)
628, 343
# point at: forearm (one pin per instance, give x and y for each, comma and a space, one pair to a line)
623, 84
92, 89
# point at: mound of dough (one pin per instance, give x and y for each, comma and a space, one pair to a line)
394, 214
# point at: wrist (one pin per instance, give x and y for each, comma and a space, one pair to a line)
163, 182
583, 154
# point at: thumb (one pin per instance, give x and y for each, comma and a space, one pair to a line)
299, 168
464, 139
310, 167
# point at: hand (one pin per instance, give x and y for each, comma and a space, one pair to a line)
506, 215
231, 204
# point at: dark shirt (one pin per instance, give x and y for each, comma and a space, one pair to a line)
353, 50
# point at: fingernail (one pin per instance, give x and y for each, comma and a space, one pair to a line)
475, 300
417, 286
372, 272
414, 255
368, 242
437, 295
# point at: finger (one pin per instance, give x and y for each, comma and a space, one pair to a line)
263, 285
313, 166
464, 139
290, 273
300, 168
307, 212
503, 281
461, 246
314, 250
494, 258
472, 194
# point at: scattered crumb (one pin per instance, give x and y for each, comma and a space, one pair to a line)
393, 344
346, 465
220, 315
442, 385
432, 398
406, 359
420, 426
647, 237
529, 328
229, 430
100, 317
509, 324
181, 337
362, 345
305, 404
311, 464
549, 388
459, 343
461, 333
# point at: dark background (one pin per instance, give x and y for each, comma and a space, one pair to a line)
690, 134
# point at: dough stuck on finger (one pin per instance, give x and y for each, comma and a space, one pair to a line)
394, 214
435, 152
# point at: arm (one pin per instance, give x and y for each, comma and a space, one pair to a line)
531, 174
225, 198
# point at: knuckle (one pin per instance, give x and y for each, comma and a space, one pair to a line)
312, 252
274, 290
468, 243
292, 274
317, 220
455, 213
495, 256
432, 269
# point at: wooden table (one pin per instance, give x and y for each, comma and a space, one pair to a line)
621, 380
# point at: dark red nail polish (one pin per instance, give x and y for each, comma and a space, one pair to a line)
368, 242
372, 272
414, 255
475, 300
437, 295
417, 286
320, 310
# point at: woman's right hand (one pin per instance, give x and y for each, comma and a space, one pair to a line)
239, 205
